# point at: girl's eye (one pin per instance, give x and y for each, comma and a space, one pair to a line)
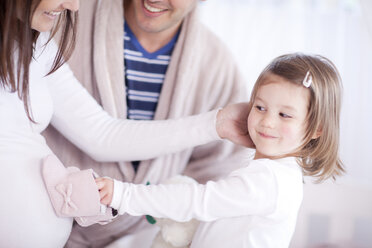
259, 108
285, 115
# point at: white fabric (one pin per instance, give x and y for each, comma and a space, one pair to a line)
60, 98
255, 206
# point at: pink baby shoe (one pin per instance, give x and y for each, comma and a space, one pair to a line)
103, 218
74, 193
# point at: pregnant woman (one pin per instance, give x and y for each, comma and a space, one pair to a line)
36, 89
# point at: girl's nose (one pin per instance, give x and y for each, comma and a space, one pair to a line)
268, 121
72, 5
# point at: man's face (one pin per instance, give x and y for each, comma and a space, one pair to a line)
154, 16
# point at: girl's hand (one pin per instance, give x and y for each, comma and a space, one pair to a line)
106, 189
231, 124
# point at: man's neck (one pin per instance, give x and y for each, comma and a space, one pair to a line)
152, 42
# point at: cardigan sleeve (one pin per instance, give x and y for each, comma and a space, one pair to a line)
83, 121
248, 191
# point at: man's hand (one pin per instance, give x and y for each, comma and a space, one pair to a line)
106, 189
232, 124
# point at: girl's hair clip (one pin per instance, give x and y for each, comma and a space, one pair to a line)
308, 80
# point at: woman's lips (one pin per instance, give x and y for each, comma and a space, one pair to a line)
52, 14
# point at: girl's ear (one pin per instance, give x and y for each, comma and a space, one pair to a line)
317, 134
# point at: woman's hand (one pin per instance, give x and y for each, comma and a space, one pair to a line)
106, 189
231, 124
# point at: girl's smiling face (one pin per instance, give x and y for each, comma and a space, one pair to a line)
47, 13
277, 121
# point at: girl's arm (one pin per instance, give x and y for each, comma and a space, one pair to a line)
248, 191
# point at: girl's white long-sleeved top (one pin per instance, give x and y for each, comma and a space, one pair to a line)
255, 206
61, 100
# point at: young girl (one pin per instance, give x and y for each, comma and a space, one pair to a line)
294, 124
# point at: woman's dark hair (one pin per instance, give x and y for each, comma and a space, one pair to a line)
17, 43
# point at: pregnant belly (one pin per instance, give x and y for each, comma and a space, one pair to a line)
27, 218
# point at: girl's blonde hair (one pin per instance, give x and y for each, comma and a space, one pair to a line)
319, 157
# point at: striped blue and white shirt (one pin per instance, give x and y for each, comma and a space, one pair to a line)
144, 75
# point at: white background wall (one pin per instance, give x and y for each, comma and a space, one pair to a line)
256, 32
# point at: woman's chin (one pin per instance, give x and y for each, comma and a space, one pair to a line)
43, 26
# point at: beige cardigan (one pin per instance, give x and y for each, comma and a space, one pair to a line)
201, 76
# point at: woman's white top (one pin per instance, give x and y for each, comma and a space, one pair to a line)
254, 207
27, 218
